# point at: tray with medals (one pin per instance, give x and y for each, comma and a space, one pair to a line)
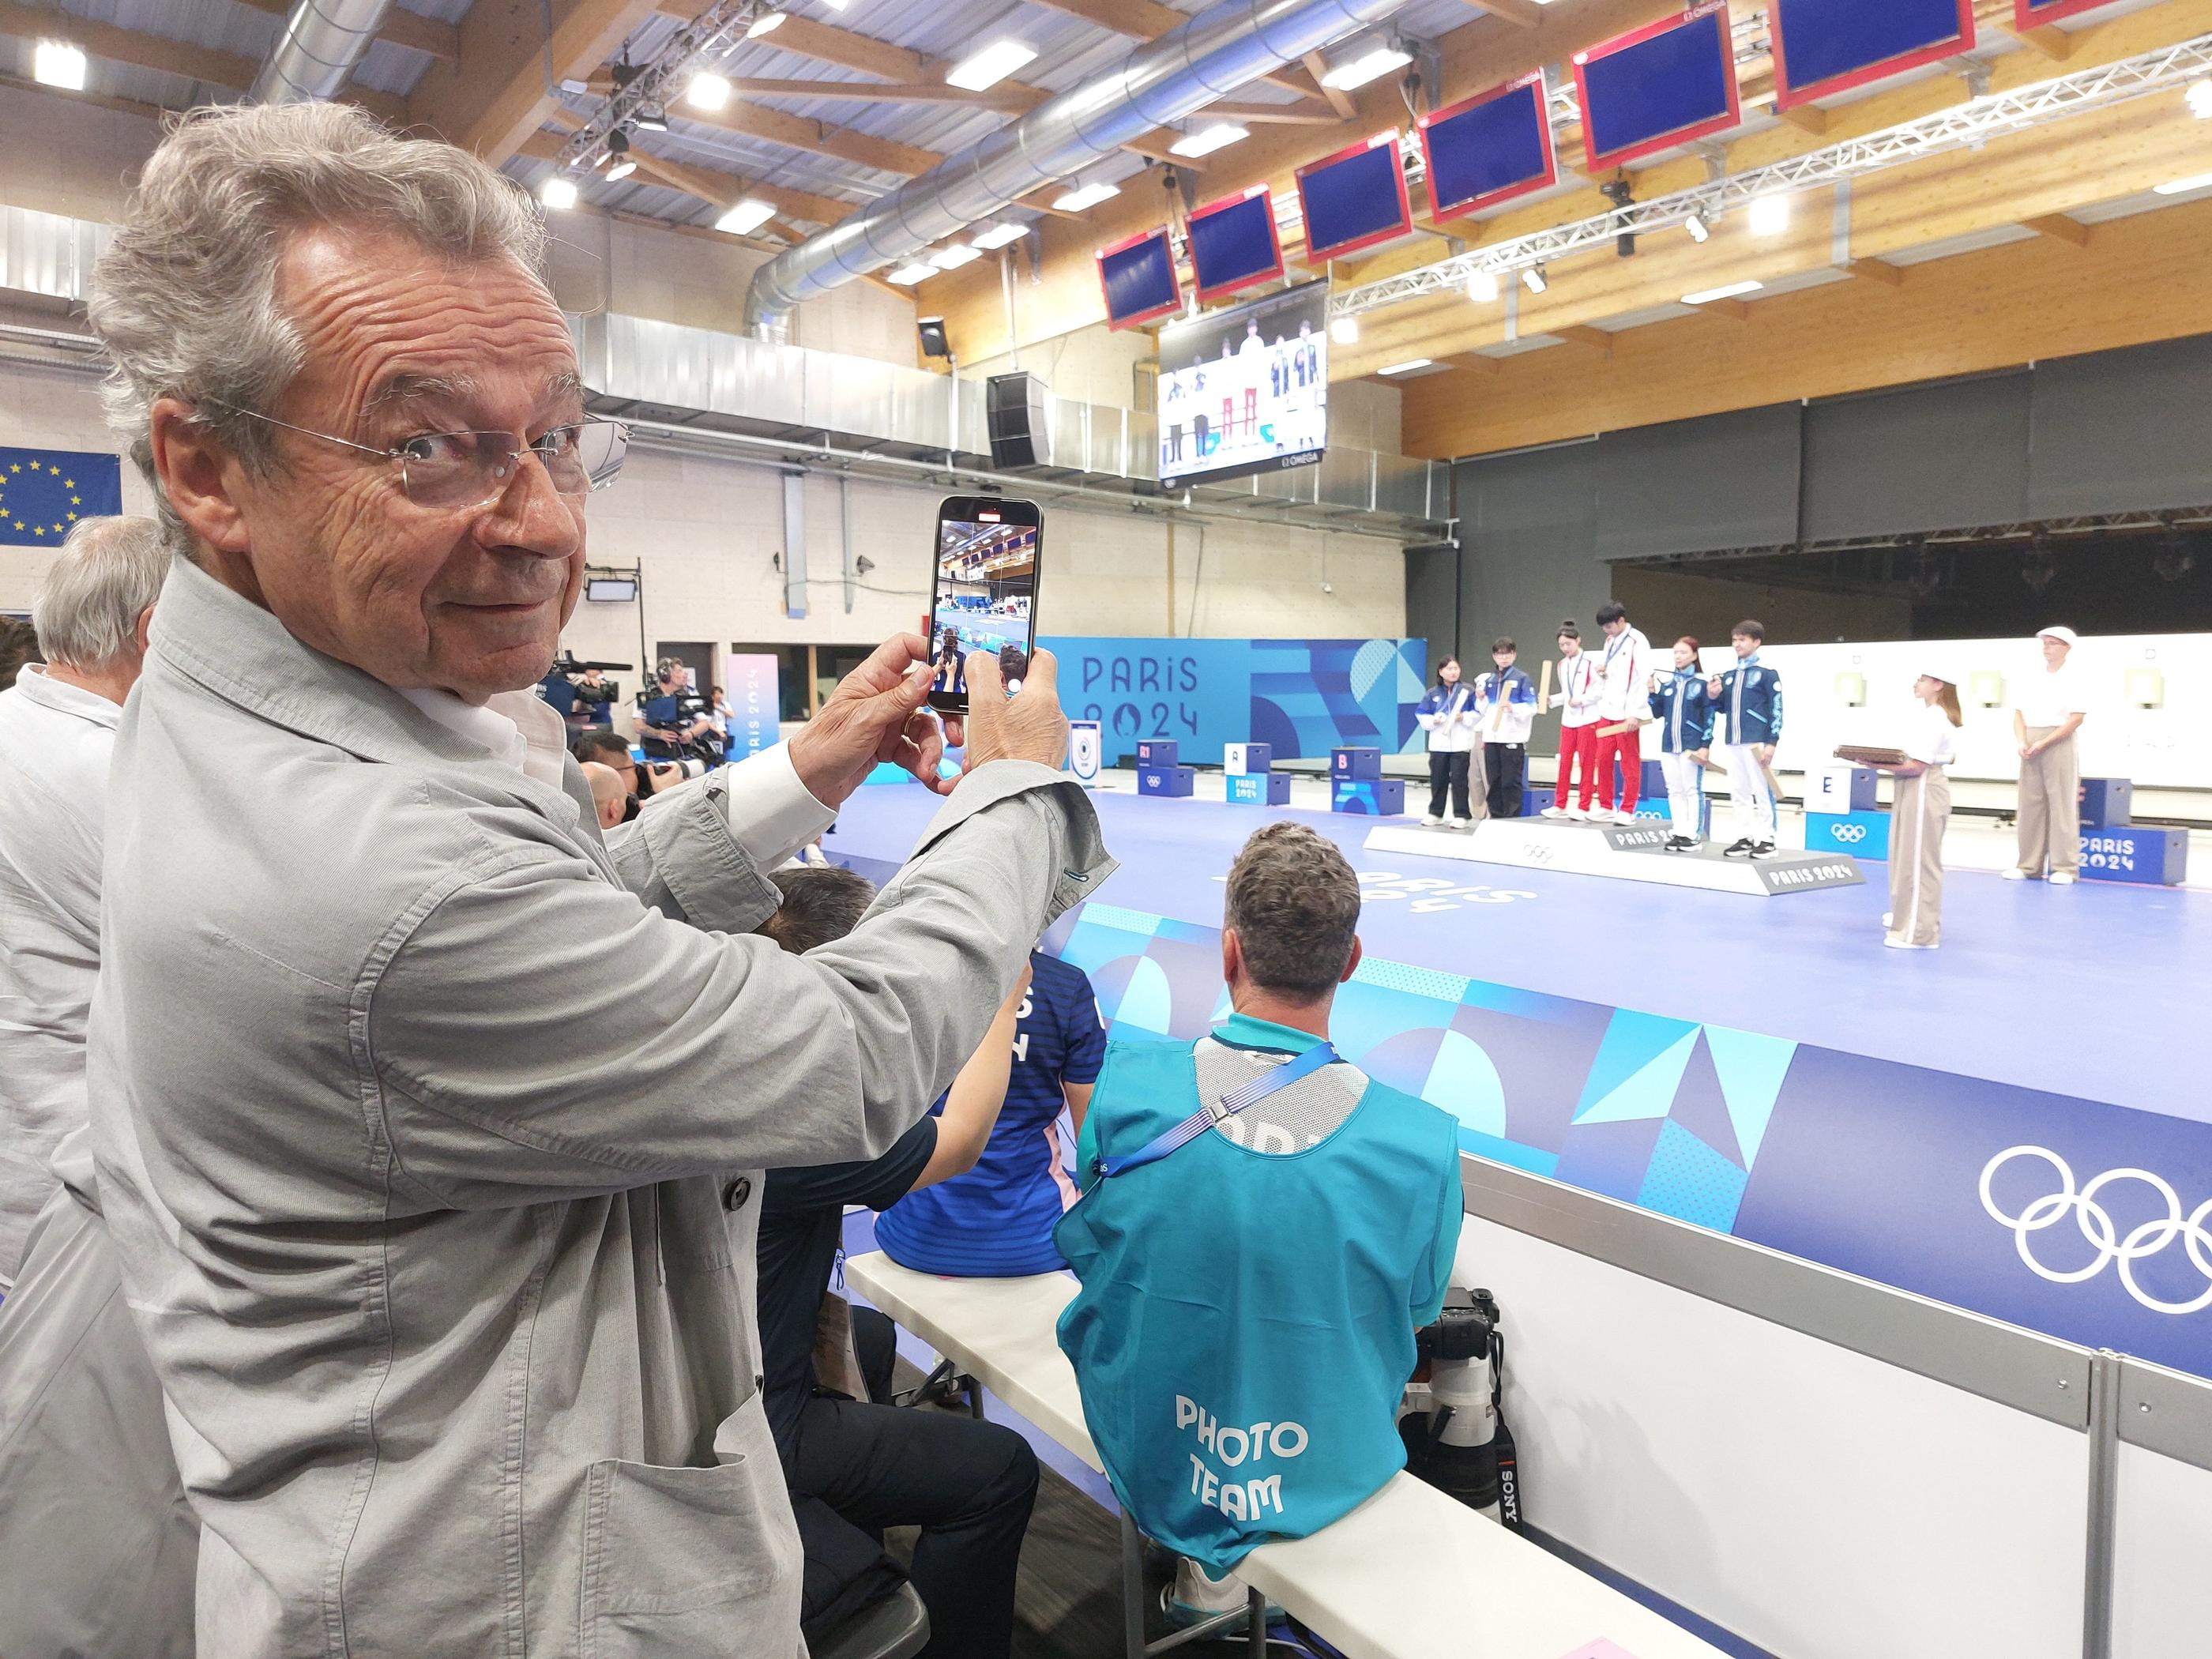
1860, 756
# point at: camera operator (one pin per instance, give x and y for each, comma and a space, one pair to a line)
594, 692
641, 783
673, 720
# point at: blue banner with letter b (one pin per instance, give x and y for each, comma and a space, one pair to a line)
44, 492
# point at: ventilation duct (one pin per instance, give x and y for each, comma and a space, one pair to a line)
1224, 47
322, 43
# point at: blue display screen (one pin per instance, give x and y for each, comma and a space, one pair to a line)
1826, 39
1675, 79
1493, 146
1139, 279
1354, 200
1233, 243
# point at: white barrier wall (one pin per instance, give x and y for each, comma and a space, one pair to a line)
2168, 746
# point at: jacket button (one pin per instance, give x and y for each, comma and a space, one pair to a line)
735, 1194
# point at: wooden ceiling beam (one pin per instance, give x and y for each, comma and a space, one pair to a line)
799, 132
1521, 13
2059, 229
826, 43
1590, 339
1339, 101
497, 94
717, 189
1878, 271
1147, 19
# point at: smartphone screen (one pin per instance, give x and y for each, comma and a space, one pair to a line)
983, 594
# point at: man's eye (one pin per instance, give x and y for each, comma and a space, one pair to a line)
431, 447
559, 441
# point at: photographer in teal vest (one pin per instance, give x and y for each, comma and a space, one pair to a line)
1262, 1230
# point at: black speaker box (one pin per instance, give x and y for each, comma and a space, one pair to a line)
1013, 412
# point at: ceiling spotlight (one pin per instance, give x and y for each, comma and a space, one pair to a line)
747, 216
1482, 287
1408, 367
952, 258
2199, 96
767, 23
1769, 215
558, 193
620, 162
650, 120
1085, 196
907, 275
1206, 140
999, 236
707, 91
1370, 66
1698, 230
1535, 279
1345, 330
1733, 290
989, 66
2182, 186
58, 64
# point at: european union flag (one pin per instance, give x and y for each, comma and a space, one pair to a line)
44, 491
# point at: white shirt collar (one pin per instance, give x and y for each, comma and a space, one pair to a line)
511, 724
40, 687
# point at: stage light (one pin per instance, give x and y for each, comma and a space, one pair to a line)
707, 91
1371, 65
1345, 330
1482, 287
767, 23
2199, 96
1534, 280
908, 276
934, 344
1408, 367
1086, 196
989, 66
952, 258
621, 164
58, 64
557, 193
1698, 230
747, 216
2182, 186
999, 236
1733, 290
652, 120
1769, 215
1206, 140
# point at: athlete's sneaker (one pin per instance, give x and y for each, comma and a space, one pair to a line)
1682, 844
1896, 944
1624, 817
1554, 812
2061, 877
1736, 849
2014, 874
1764, 850
1888, 920
1430, 821
1458, 823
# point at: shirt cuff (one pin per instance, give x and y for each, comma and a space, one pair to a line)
772, 813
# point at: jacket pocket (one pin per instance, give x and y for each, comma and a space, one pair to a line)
689, 1563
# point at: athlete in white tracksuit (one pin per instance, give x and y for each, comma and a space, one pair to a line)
1750, 696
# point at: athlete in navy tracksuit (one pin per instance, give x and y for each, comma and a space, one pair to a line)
1683, 708
1750, 696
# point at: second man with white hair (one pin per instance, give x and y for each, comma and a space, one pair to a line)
2044, 721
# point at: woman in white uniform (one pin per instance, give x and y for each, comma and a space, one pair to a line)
1918, 816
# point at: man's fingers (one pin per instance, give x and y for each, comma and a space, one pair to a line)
889, 663
982, 679
925, 736
1044, 673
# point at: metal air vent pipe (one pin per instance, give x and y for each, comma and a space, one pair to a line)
1227, 46
321, 46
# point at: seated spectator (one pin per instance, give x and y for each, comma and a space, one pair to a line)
611, 749
609, 794
855, 1467
996, 1221
1261, 1231
19, 644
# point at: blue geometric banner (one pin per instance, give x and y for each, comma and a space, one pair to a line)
1304, 696
44, 491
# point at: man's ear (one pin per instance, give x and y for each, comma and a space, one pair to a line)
200, 477
1232, 956
1351, 963
143, 633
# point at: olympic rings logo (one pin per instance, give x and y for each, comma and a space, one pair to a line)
1850, 834
2096, 1226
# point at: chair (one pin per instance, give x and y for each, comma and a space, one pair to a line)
896, 1627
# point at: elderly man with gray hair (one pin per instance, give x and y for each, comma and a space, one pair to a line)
447, 1274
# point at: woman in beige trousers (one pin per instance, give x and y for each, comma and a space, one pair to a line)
1919, 814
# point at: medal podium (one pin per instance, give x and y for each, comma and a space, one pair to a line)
1626, 853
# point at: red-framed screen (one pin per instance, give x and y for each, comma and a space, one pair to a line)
1668, 83
1825, 47
1355, 198
1233, 243
1138, 278
1489, 149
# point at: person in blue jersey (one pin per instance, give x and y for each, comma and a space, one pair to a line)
1749, 696
1263, 1228
1682, 706
996, 1221
1447, 714
1505, 712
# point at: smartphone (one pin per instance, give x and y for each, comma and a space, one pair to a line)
982, 596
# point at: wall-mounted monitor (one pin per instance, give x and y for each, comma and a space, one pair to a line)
610, 590
1825, 47
1666, 84
1138, 277
1355, 198
1233, 243
1489, 149
1245, 390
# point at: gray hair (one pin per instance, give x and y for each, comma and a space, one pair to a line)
88, 609
185, 296
1294, 903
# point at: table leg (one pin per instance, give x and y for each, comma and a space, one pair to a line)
1257, 1634
1133, 1588
975, 1397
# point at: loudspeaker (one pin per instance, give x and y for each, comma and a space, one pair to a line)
1013, 414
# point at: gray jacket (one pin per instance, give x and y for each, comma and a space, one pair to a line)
430, 1152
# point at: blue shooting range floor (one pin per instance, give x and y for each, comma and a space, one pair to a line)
2096, 990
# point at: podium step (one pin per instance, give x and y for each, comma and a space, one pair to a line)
1624, 852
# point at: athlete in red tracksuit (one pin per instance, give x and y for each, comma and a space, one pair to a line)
1624, 699
1580, 687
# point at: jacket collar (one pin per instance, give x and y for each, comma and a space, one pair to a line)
232, 647
38, 686
1243, 1031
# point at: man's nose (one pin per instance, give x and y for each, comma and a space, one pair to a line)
531, 515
